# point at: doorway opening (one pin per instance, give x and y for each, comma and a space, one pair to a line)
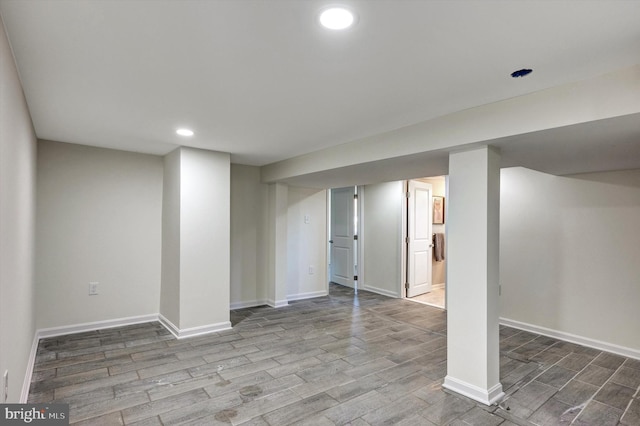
424, 245
343, 236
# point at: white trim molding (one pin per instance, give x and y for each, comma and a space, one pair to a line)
308, 295
381, 291
568, 337
278, 303
247, 304
182, 333
97, 325
26, 385
490, 396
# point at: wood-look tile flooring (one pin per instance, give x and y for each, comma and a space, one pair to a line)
336, 360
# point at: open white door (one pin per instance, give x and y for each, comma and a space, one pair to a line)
419, 238
342, 232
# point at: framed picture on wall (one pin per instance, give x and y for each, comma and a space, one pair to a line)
438, 210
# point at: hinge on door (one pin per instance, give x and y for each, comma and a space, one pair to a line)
406, 285
406, 240
355, 278
355, 237
355, 196
408, 194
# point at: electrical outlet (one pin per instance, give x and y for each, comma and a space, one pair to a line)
307, 219
93, 288
5, 385
312, 270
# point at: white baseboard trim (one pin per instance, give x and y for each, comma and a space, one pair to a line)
247, 304
381, 291
489, 396
97, 325
308, 295
437, 286
26, 385
568, 337
278, 303
183, 333
344, 285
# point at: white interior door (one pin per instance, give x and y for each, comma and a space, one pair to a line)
342, 232
420, 238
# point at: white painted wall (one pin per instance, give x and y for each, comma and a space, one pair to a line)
170, 276
17, 225
307, 243
248, 245
277, 242
382, 237
196, 241
569, 253
98, 219
205, 209
472, 288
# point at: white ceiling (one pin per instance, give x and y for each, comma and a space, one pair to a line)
263, 81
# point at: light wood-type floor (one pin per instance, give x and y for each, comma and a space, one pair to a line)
336, 360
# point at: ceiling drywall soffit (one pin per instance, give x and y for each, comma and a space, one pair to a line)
564, 150
262, 81
525, 127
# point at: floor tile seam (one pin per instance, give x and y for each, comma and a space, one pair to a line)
538, 375
151, 403
98, 388
36, 366
612, 382
109, 411
636, 388
392, 319
108, 367
624, 413
526, 343
575, 377
586, 403
93, 402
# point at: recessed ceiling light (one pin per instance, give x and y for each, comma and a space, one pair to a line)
184, 132
521, 73
337, 18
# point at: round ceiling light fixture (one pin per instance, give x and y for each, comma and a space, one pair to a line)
337, 18
184, 132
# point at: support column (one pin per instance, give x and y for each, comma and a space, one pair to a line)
277, 257
473, 352
196, 228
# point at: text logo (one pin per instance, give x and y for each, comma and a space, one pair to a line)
34, 414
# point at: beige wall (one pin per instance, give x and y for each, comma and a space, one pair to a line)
382, 237
569, 253
17, 225
98, 219
307, 243
170, 271
248, 227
